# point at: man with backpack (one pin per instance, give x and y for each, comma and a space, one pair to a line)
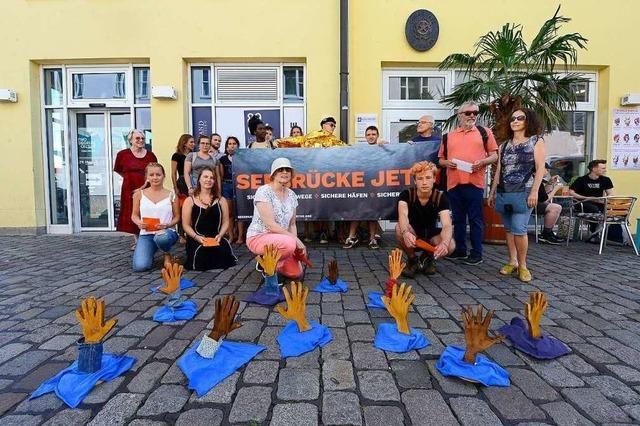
464, 154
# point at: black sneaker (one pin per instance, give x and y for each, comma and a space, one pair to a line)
411, 269
427, 264
473, 260
458, 255
549, 238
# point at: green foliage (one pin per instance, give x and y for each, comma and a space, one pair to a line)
504, 73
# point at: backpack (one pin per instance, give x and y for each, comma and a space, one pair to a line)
442, 185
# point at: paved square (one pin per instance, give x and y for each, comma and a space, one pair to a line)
594, 308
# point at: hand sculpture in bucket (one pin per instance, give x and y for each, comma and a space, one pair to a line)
333, 274
398, 305
296, 305
90, 314
396, 266
268, 261
533, 312
476, 332
224, 323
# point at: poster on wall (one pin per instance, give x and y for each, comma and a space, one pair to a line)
270, 117
625, 144
362, 122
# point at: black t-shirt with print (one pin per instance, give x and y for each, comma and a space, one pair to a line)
588, 187
423, 218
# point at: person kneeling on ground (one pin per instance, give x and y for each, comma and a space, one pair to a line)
274, 219
419, 209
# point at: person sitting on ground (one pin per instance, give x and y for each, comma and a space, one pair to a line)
371, 134
593, 185
550, 210
419, 210
274, 219
155, 211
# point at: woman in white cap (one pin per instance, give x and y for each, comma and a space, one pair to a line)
274, 219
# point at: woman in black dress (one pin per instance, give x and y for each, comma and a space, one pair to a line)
186, 143
205, 219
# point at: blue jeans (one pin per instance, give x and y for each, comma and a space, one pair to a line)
147, 246
512, 207
466, 202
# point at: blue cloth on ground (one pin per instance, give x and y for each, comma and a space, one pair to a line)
71, 385
204, 373
263, 298
184, 284
388, 338
293, 342
184, 311
375, 300
485, 371
545, 347
325, 286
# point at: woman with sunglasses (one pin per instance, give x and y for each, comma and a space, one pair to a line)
130, 164
514, 192
274, 220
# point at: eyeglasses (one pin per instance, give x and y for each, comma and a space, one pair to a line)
518, 118
470, 113
139, 138
425, 122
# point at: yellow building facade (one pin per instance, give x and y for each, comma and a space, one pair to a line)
85, 72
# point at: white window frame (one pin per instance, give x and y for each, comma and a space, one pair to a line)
91, 69
257, 104
388, 103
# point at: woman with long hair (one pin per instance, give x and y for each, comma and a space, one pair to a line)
155, 213
295, 131
205, 219
186, 143
130, 164
228, 191
514, 192
274, 219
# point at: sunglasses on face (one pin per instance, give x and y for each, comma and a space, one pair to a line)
470, 113
518, 118
283, 170
330, 124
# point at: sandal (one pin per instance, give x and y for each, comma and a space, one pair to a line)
508, 269
524, 275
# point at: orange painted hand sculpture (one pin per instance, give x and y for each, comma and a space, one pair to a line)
171, 275
224, 316
476, 332
398, 305
269, 259
300, 255
396, 265
296, 305
533, 312
332, 276
90, 314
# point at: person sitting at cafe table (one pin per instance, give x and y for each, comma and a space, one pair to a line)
588, 189
420, 208
547, 208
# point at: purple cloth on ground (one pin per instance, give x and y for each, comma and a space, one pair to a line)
326, 287
184, 284
262, 298
375, 300
388, 338
204, 373
545, 347
184, 311
293, 342
72, 386
485, 371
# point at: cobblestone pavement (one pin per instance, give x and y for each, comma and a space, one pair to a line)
594, 308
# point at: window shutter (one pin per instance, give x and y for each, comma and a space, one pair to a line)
247, 84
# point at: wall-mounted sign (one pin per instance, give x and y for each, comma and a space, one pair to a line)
422, 30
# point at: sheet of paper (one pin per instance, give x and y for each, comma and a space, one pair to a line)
465, 166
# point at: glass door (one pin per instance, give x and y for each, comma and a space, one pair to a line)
399, 125
97, 137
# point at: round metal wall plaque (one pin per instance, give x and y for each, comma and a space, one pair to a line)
422, 30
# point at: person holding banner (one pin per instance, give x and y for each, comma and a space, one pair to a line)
419, 210
274, 219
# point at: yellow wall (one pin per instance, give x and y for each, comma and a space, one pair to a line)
169, 34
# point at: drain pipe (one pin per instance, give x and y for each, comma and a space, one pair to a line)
344, 70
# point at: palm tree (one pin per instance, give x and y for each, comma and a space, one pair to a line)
504, 74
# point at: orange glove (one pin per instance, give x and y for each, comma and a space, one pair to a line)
269, 259
90, 314
476, 332
396, 265
533, 312
171, 276
398, 306
296, 305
